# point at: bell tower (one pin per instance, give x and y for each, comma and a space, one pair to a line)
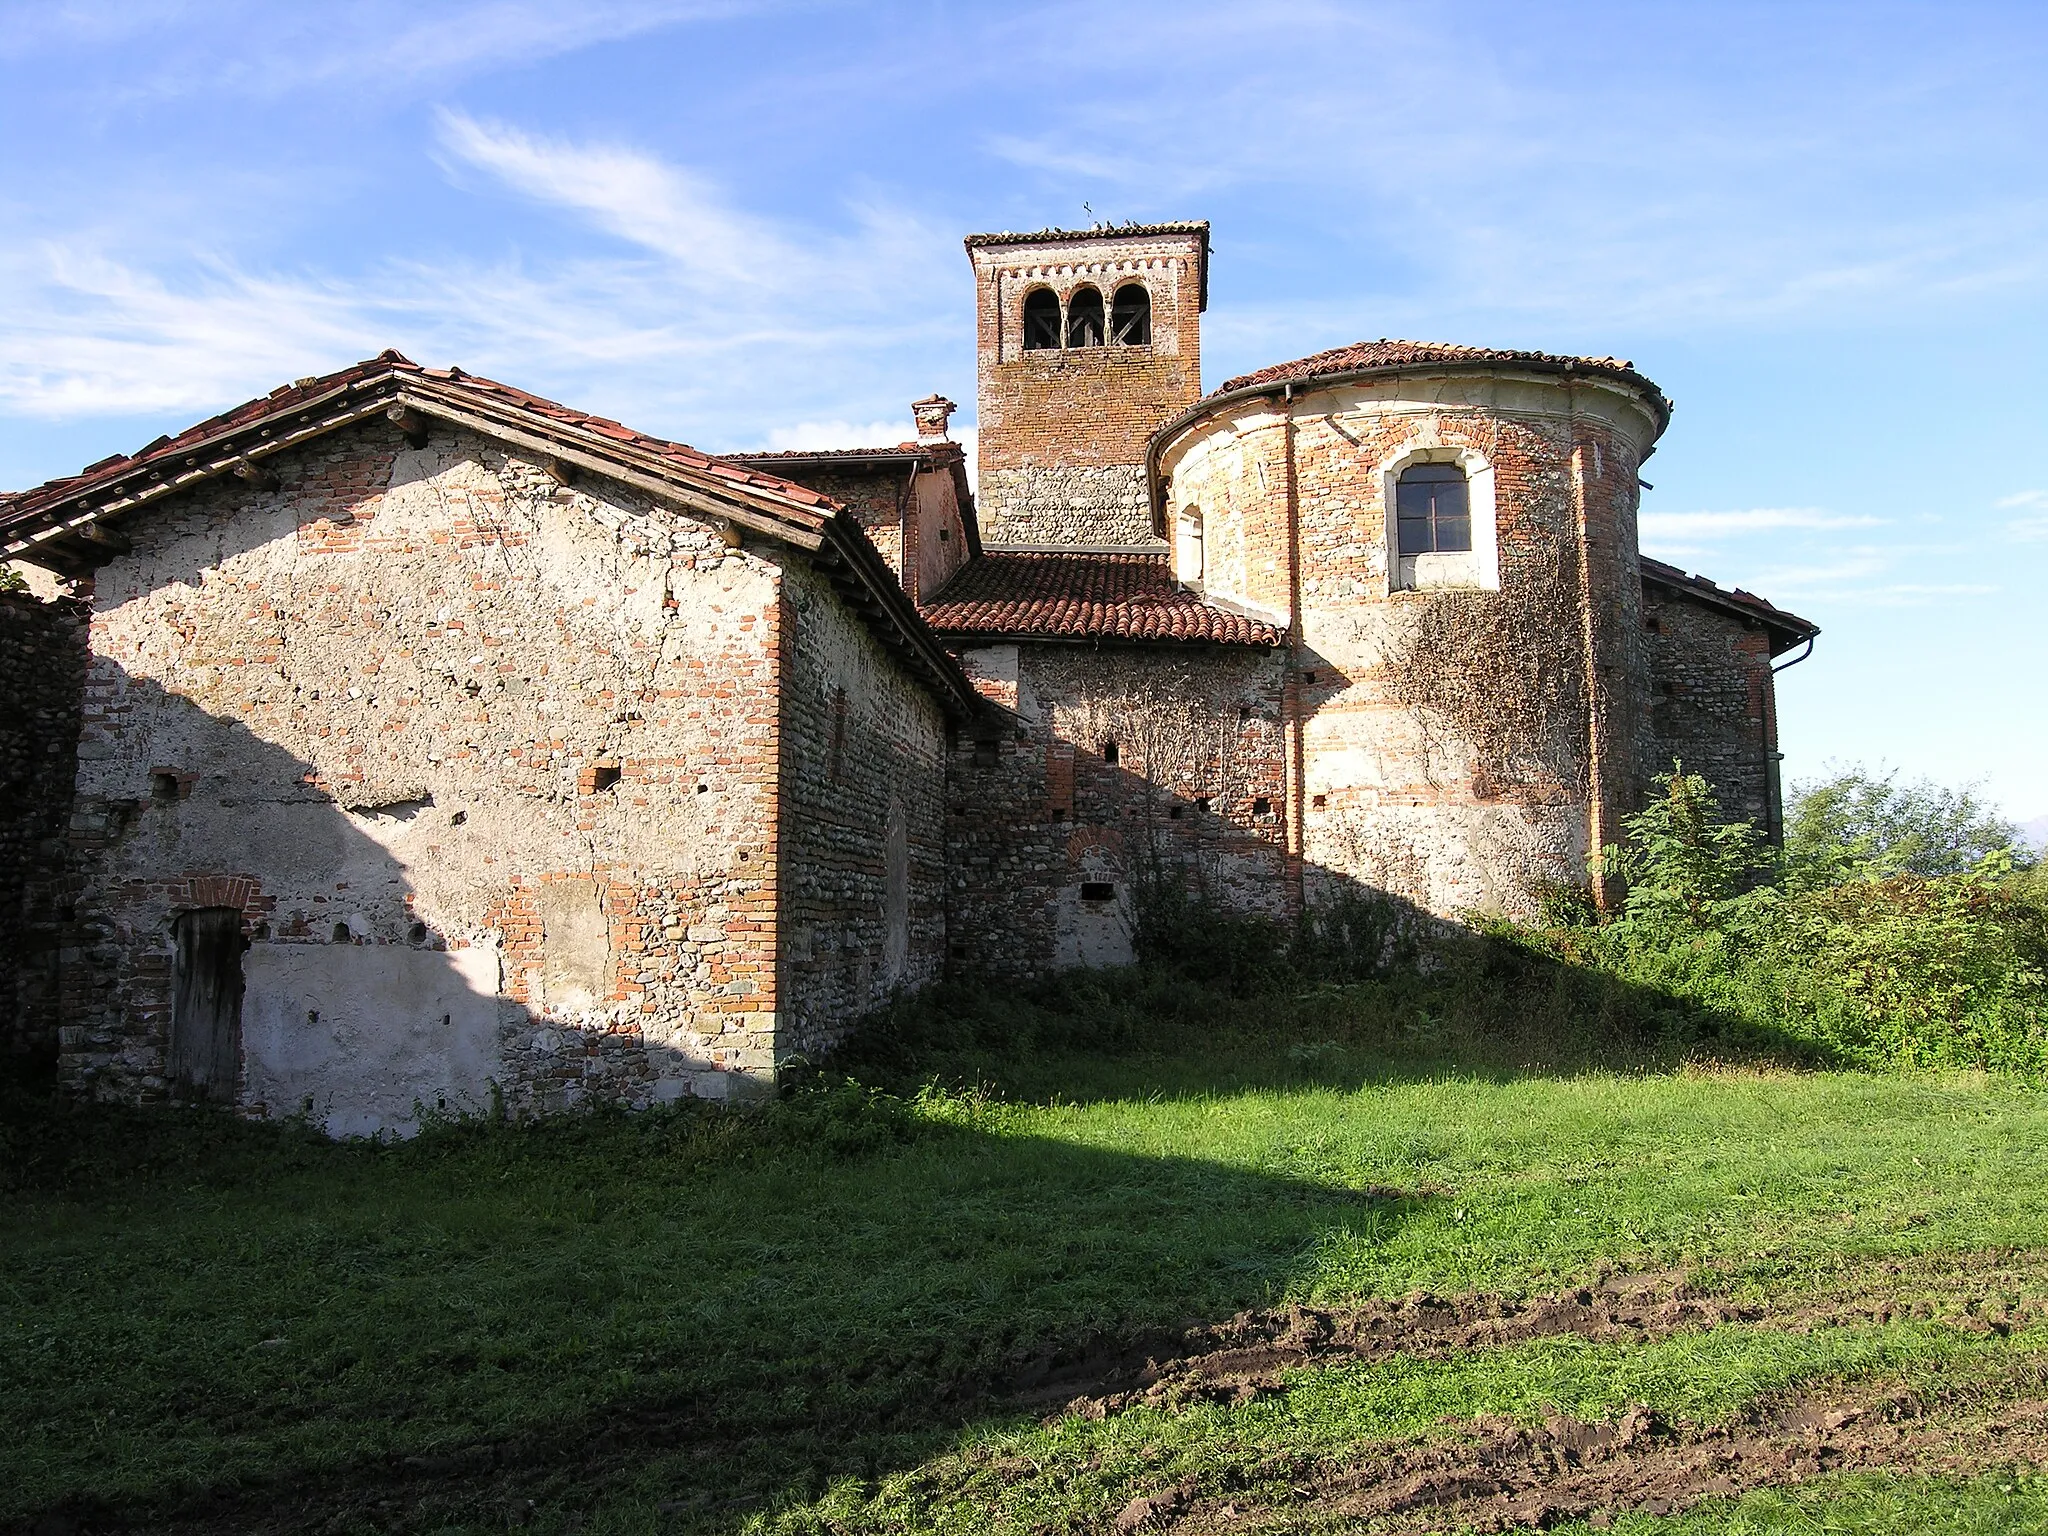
1087, 342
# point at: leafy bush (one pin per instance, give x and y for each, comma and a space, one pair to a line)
1839, 946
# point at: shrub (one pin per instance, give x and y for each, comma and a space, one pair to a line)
1850, 954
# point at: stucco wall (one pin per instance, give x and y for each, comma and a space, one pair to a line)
1450, 744
1037, 809
502, 739
862, 849
42, 666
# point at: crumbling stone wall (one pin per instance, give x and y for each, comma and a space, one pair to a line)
1712, 704
1068, 504
486, 762
862, 852
1109, 766
1459, 749
42, 667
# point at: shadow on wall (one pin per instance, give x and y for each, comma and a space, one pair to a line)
247, 938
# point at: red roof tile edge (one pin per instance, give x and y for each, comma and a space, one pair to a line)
1085, 596
1386, 353
1762, 610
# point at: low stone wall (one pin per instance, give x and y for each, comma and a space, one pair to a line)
42, 673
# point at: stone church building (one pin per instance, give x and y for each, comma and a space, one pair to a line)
402, 743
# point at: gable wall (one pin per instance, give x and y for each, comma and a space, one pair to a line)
377, 704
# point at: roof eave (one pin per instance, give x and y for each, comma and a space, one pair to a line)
1162, 439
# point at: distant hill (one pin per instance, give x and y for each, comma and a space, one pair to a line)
2036, 832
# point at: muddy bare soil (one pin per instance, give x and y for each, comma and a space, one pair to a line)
1489, 1475
1504, 1476
1246, 1356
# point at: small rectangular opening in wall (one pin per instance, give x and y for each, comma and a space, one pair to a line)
1320, 802
1173, 813
1262, 806
599, 777
985, 752
1202, 806
163, 786
1059, 813
1109, 751
1097, 890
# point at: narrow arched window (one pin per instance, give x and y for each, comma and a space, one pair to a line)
1084, 318
1191, 545
1434, 510
1130, 316
1041, 320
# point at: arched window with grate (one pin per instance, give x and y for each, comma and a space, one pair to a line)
1041, 320
1084, 318
1130, 317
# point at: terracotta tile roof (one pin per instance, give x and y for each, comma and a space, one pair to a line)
1083, 596
1368, 356
770, 456
72, 523
1787, 629
288, 399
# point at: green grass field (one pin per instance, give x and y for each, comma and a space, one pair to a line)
811, 1318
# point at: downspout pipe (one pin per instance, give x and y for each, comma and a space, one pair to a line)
1786, 666
1290, 685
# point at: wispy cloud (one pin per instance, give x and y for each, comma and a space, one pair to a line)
1662, 526
380, 47
1866, 575
713, 319
2031, 526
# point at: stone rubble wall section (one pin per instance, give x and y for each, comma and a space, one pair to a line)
862, 909
42, 669
1712, 705
1035, 808
430, 699
1066, 504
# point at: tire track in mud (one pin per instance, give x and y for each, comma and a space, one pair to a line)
1248, 1355
1504, 1474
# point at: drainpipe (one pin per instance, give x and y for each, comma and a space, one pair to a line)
1294, 799
1598, 832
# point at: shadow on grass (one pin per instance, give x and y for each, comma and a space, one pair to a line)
679, 1307
1479, 1007
692, 1313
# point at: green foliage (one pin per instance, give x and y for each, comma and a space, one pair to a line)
1855, 819
1848, 954
1684, 867
12, 580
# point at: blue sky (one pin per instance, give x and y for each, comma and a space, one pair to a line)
1822, 229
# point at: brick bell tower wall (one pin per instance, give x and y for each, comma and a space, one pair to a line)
1064, 429
1465, 745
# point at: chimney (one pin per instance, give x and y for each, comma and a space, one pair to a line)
931, 413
